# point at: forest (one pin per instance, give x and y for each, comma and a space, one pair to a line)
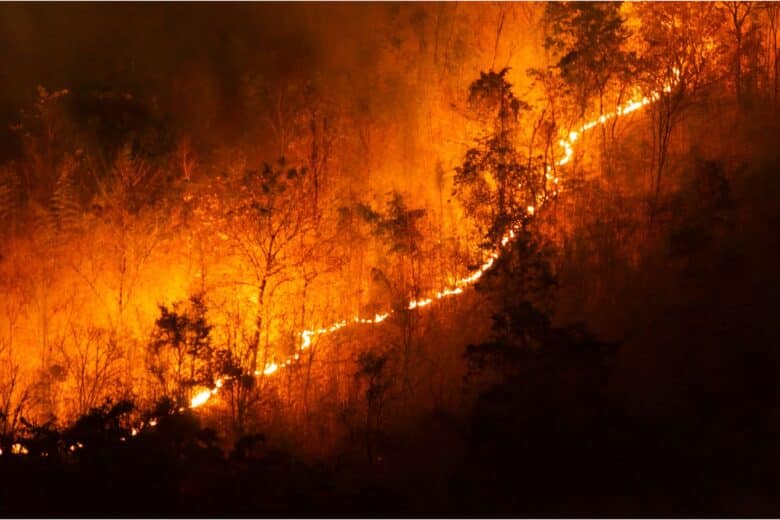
389, 259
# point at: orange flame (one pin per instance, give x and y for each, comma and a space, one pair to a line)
567, 146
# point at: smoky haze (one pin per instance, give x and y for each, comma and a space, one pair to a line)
390, 71
399, 259
190, 58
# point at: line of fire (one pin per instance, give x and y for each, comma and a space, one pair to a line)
389, 259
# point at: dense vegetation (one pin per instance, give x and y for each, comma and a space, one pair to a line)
161, 236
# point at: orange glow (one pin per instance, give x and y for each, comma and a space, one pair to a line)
567, 148
201, 398
19, 449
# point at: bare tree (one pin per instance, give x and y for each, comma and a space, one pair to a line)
91, 358
14, 394
265, 221
678, 63
739, 15
14, 398
772, 10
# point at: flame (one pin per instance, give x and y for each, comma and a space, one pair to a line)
456, 288
200, 399
567, 146
19, 449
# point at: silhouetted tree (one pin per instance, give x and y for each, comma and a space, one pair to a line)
739, 18
373, 370
180, 353
91, 359
678, 63
494, 182
589, 38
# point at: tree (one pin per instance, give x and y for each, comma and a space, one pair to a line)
677, 64
266, 221
11, 199
589, 38
14, 392
554, 111
14, 398
42, 132
373, 372
399, 229
772, 11
240, 387
122, 199
65, 206
536, 361
126, 216
100, 428
91, 359
494, 182
180, 352
703, 211
739, 16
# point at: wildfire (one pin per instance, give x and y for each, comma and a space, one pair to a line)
567, 148
19, 449
457, 287
201, 398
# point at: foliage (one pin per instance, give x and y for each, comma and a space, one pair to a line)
117, 200
522, 289
589, 38
399, 226
180, 352
491, 96
100, 427
495, 182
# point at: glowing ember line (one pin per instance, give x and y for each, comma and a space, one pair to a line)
200, 399
456, 288
567, 147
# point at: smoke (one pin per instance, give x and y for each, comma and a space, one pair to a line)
391, 73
